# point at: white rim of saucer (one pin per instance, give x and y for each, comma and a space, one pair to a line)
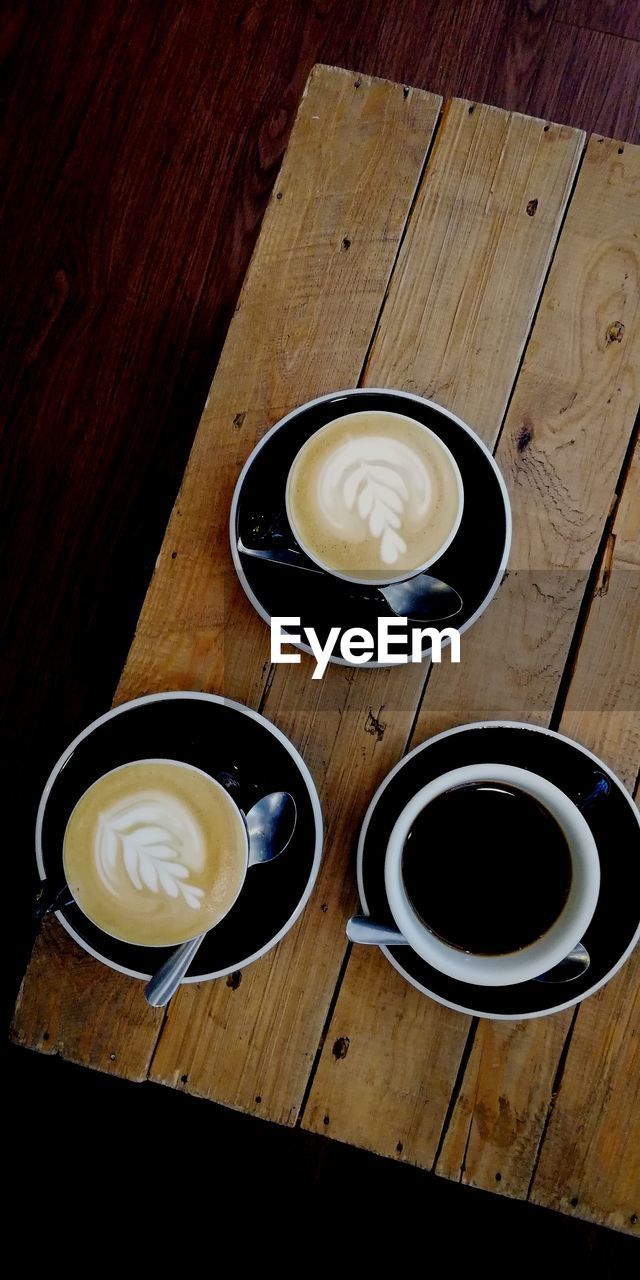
447, 733
387, 391
190, 695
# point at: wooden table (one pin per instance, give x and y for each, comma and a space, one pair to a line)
491, 262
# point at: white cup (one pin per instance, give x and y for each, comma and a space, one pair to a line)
563, 934
380, 578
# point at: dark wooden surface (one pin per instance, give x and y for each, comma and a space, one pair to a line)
141, 142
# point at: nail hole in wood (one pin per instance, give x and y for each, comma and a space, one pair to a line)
258, 1098
620, 150
173, 555
633, 1219
325, 1120
346, 243
356, 84
45, 1035
546, 128
399, 1147
405, 91
183, 1079
279, 195
574, 1202
498, 1177
471, 110
531, 208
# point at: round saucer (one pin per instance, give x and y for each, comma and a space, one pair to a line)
474, 563
614, 822
217, 735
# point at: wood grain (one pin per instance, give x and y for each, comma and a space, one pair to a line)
602, 707
600, 72
351, 727
139, 149
571, 414
140, 146
302, 326
590, 1161
619, 19
508, 1086
84, 1010
499, 1118
459, 308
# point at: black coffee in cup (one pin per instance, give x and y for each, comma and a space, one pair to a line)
487, 868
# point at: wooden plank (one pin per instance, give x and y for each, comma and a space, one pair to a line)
303, 324
561, 451
499, 1118
70, 1005
590, 1161
603, 701
454, 321
352, 726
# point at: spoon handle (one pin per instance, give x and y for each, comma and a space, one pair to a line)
362, 929
166, 981
279, 555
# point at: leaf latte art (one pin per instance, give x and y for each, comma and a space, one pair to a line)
372, 483
374, 495
152, 839
155, 852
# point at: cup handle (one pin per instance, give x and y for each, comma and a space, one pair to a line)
363, 929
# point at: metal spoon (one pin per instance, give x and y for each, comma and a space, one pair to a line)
362, 929
423, 598
270, 824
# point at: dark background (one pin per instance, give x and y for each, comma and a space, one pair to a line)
141, 142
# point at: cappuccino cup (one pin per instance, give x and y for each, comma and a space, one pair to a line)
155, 852
374, 497
492, 874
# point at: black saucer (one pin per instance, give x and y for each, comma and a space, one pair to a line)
474, 563
614, 822
217, 735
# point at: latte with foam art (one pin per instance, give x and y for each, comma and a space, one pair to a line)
374, 496
155, 852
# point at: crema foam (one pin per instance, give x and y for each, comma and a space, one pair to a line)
373, 495
155, 852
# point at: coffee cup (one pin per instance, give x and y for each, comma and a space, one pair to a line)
492, 874
155, 852
374, 497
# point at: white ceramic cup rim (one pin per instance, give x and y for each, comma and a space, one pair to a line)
563, 934
406, 575
180, 764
